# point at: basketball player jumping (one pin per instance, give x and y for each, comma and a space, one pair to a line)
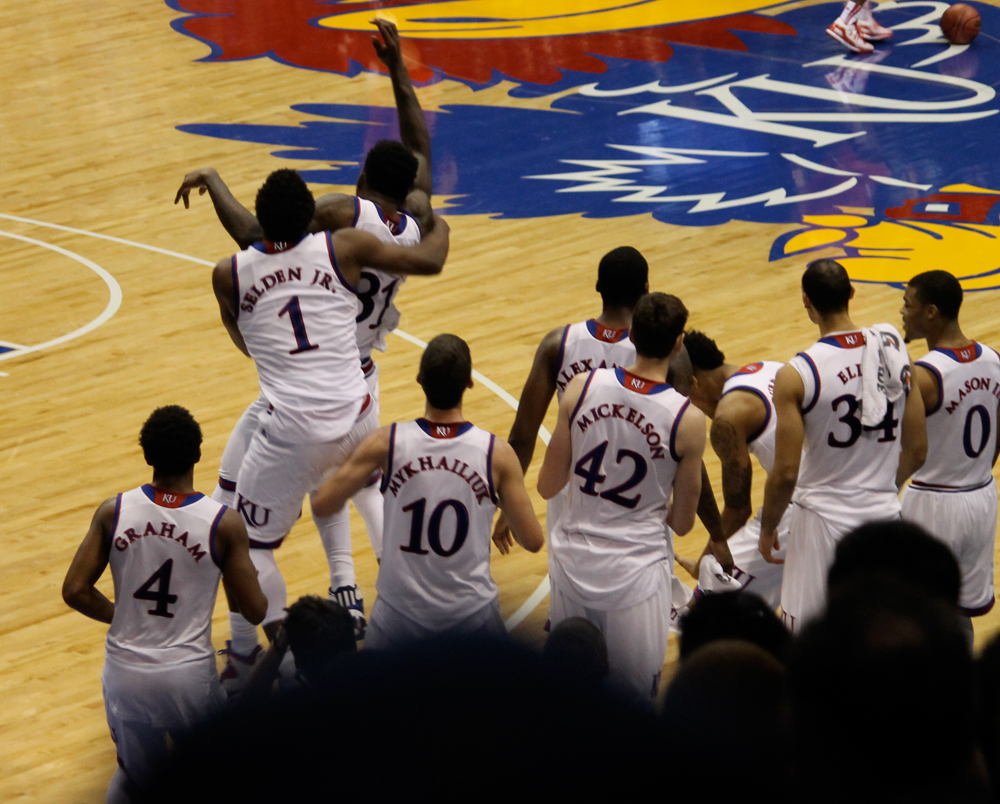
442, 479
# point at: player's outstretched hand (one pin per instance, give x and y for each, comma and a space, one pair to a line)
388, 53
502, 537
196, 178
767, 543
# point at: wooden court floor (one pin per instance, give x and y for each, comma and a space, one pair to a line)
92, 157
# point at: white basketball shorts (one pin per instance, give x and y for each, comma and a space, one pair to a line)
389, 628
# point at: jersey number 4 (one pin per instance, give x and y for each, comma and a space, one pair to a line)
161, 580
589, 468
850, 418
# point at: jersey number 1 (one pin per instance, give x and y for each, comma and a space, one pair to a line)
162, 596
298, 326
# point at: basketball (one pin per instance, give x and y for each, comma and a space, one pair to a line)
960, 24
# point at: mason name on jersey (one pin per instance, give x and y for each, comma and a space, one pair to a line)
970, 385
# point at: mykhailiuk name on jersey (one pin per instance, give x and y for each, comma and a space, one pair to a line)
426, 464
613, 411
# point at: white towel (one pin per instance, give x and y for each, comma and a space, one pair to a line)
885, 372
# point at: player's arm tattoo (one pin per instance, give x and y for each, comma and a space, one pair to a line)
708, 508
737, 471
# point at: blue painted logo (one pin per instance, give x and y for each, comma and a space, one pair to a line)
792, 127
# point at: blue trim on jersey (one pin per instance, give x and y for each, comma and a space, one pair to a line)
673, 431
940, 381
767, 406
812, 367
562, 350
952, 353
583, 394
979, 612
489, 470
411, 216
381, 214
236, 290
384, 485
147, 489
916, 485
150, 492
425, 425
658, 387
211, 537
191, 498
336, 268
357, 211
261, 245
114, 522
227, 485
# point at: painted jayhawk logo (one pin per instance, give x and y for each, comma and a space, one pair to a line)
752, 115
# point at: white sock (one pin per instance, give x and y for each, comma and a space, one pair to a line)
850, 10
865, 12
369, 502
335, 533
244, 634
272, 584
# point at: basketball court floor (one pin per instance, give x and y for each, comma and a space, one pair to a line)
731, 141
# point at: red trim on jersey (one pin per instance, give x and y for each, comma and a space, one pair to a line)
967, 354
606, 334
170, 499
443, 430
846, 340
633, 382
750, 368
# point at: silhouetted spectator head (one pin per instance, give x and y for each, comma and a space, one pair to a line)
882, 698
988, 678
733, 615
726, 717
900, 549
576, 647
319, 631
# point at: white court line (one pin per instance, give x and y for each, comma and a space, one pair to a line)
533, 600
112, 306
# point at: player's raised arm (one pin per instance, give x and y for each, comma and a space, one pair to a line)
914, 435
355, 249
514, 501
238, 221
91, 559
368, 457
555, 470
413, 129
789, 393
225, 295
239, 575
690, 445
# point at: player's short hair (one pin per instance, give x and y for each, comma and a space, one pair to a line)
941, 289
704, 354
827, 285
445, 371
318, 632
657, 320
390, 169
622, 277
285, 206
171, 441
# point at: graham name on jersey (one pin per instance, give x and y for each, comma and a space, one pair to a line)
426, 464
252, 296
974, 384
166, 531
611, 411
582, 366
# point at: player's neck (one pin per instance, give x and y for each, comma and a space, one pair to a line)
949, 337
835, 322
184, 484
615, 318
438, 416
388, 206
726, 370
650, 369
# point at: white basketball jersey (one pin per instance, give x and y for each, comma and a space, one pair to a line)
297, 315
962, 427
590, 345
841, 455
439, 507
163, 562
377, 290
622, 432
758, 379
